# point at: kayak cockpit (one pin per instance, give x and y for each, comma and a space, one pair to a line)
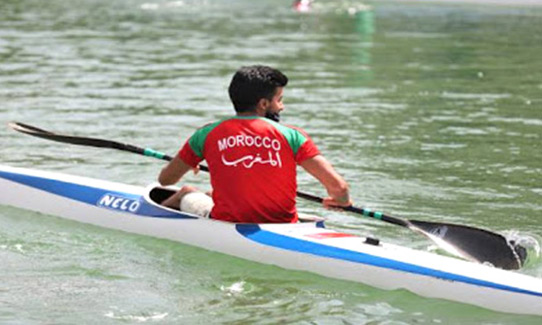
158, 194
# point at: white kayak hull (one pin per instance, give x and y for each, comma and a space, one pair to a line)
303, 246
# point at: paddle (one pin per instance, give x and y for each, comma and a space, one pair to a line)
471, 243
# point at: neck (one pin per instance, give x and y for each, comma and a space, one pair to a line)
248, 114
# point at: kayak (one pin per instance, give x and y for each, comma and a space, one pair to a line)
305, 246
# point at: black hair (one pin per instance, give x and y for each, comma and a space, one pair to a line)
252, 83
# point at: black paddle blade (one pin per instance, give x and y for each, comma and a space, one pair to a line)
28, 129
89, 142
474, 244
83, 141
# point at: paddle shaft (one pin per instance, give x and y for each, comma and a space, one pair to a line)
362, 211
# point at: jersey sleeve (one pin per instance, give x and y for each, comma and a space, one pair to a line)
307, 150
188, 155
192, 152
304, 147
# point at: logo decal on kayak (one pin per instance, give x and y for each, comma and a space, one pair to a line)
117, 202
326, 235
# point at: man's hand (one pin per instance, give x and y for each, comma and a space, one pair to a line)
336, 186
195, 170
333, 204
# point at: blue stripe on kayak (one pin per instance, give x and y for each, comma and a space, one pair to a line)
255, 233
113, 200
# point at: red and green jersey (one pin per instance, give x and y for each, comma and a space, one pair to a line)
252, 161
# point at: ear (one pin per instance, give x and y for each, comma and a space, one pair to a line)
263, 103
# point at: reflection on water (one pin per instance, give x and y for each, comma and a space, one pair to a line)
431, 111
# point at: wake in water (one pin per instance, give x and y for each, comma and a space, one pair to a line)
532, 246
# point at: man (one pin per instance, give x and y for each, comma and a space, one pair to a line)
252, 158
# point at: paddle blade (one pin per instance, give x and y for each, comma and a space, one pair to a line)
82, 141
85, 141
474, 244
25, 128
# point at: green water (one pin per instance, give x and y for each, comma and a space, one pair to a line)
430, 111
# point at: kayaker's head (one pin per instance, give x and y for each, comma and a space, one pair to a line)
257, 90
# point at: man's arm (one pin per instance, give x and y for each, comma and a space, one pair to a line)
173, 171
336, 186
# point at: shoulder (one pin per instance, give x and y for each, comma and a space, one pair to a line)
202, 132
206, 128
197, 140
295, 136
297, 129
287, 130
